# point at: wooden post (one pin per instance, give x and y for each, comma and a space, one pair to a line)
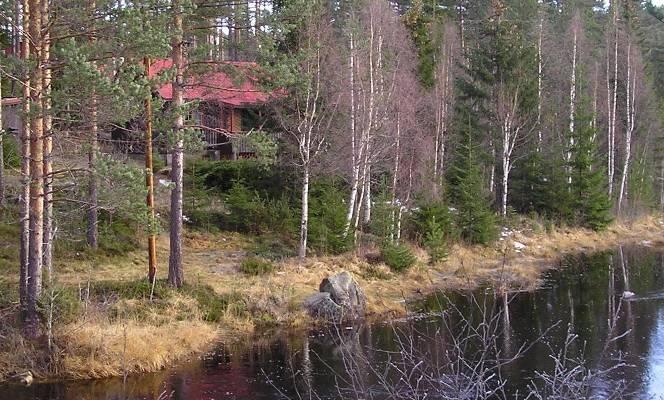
149, 181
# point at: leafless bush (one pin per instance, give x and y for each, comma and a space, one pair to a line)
462, 354
573, 377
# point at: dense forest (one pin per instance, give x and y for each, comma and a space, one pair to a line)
405, 127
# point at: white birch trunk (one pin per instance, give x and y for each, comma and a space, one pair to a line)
630, 104
572, 110
355, 168
304, 221
539, 86
506, 168
612, 129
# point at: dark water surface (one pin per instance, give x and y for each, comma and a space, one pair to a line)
581, 298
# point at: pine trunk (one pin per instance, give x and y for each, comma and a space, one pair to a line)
49, 230
175, 273
35, 241
2, 155
149, 183
24, 212
92, 235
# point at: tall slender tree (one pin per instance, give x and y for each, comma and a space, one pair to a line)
175, 268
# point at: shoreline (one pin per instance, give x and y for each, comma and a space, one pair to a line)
162, 334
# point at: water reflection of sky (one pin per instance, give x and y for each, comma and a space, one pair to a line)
655, 359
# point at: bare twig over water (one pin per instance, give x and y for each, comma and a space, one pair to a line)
462, 354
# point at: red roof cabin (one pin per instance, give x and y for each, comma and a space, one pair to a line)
230, 100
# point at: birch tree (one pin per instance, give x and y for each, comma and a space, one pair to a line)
612, 97
572, 95
631, 94
375, 64
511, 92
540, 80
308, 110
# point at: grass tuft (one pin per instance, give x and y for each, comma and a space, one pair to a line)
256, 266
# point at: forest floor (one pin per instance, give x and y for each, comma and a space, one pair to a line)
107, 325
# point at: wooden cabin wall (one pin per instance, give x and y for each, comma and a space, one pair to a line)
11, 118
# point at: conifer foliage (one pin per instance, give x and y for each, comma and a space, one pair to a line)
590, 201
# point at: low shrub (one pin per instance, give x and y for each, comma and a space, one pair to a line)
117, 236
270, 182
66, 304
272, 247
246, 210
397, 256
10, 152
256, 266
327, 220
431, 215
212, 306
383, 218
435, 241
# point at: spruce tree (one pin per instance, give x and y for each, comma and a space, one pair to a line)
475, 220
592, 205
419, 24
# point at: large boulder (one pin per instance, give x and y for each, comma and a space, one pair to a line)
340, 298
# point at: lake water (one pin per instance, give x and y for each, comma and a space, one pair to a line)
484, 346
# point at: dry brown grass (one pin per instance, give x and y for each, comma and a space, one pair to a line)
146, 338
281, 293
135, 337
214, 259
102, 348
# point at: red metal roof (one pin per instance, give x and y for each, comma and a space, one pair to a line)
11, 101
217, 85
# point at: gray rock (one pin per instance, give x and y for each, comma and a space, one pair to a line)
321, 305
340, 299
